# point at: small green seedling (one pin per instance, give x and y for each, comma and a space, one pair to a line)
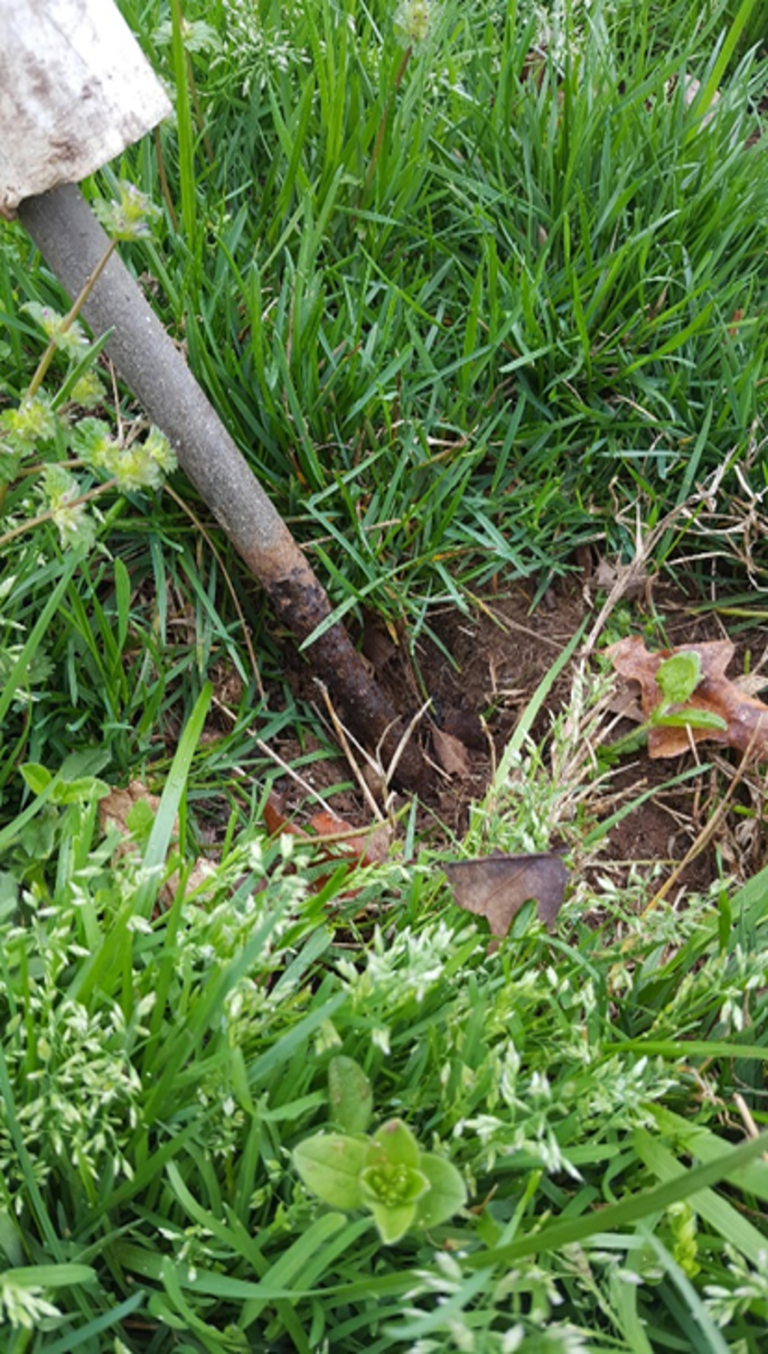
677, 678
387, 1172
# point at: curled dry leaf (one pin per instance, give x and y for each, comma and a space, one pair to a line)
497, 886
450, 753
746, 718
359, 846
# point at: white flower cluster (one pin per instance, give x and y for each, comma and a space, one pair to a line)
23, 1305
77, 1092
403, 966
259, 52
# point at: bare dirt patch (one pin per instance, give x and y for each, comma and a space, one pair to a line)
481, 672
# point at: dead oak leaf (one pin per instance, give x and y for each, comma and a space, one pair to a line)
497, 886
129, 812
745, 717
119, 809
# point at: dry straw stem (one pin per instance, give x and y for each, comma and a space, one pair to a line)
740, 526
634, 574
275, 757
383, 774
707, 832
746, 1117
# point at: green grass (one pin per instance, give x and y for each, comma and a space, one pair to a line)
158, 1068
466, 306
460, 321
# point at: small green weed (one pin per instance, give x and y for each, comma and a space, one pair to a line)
166, 1074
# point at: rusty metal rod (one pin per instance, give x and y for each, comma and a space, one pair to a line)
70, 238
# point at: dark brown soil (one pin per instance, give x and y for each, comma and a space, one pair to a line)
481, 673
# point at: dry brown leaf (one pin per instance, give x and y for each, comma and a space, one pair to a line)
691, 90
450, 753
114, 811
378, 643
201, 872
359, 846
497, 886
745, 716
116, 806
610, 573
465, 725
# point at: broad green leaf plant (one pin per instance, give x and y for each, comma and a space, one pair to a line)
386, 1173
677, 678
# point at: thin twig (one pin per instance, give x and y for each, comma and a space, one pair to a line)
708, 830
345, 741
69, 319
46, 516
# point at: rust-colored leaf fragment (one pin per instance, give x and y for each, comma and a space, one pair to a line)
275, 820
746, 718
359, 846
497, 886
